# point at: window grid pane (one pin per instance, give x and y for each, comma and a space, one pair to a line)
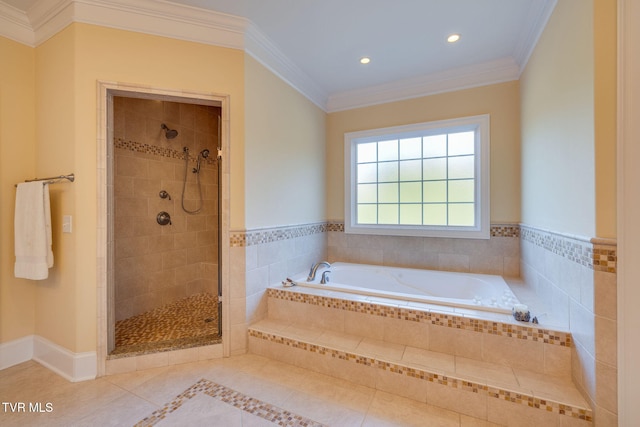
426, 180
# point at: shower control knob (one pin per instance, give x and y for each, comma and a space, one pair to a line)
163, 218
163, 195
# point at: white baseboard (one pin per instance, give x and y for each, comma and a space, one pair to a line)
72, 366
16, 351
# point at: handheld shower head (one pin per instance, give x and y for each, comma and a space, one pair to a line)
169, 133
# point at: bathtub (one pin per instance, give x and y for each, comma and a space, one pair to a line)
473, 291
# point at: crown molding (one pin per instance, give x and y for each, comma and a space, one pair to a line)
145, 16
539, 13
161, 18
166, 19
15, 25
259, 47
446, 81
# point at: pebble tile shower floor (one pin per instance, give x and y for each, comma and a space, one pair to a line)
189, 322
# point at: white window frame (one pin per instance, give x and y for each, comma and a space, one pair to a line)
480, 230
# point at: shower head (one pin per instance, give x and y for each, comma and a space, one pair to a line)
204, 153
169, 133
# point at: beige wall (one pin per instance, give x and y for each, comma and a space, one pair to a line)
17, 153
57, 302
65, 73
285, 154
501, 101
558, 139
605, 100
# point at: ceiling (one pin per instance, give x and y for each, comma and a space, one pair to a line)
405, 39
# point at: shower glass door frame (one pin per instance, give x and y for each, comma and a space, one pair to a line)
105, 205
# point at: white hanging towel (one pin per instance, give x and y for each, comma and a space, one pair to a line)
33, 231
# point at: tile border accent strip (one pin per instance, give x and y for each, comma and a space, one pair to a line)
594, 254
276, 234
239, 400
155, 150
445, 380
526, 333
267, 235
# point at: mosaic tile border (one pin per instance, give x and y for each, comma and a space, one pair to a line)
527, 333
505, 230
234, 398
258, 237
444, 380
590, 254
154, 150
594, 255
269, 235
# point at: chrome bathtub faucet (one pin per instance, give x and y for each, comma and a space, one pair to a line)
314, 269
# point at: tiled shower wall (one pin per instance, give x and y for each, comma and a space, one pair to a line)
577, 277
154, 264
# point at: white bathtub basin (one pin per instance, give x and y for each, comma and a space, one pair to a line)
464, 290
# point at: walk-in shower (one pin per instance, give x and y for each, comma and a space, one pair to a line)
166, 287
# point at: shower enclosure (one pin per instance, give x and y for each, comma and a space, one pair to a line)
166, 225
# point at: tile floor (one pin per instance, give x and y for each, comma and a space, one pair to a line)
246, 390
185, 323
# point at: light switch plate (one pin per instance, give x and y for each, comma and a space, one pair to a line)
66, 224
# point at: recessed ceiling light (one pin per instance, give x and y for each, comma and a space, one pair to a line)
365, 60
453, 38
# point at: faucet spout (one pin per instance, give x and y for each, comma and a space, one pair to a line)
314, 269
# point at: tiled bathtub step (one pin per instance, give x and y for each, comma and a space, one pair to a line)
507, 343
488, 391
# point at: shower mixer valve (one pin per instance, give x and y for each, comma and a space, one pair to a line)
164, 218
163, 195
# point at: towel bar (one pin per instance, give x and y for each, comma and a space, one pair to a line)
52, 179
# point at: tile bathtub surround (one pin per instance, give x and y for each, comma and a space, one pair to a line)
261, 257
577, 277
155, 265
457, 322
499, 254
597, 254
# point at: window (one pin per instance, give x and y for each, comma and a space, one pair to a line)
427, 179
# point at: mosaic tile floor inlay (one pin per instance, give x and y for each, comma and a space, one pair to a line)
253, 406
189, 322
